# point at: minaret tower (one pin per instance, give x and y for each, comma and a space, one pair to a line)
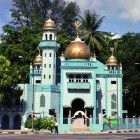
49, 46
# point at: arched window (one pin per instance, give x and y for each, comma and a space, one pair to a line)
50, 54
46, 36
50, 36
113, 101
5, 122
49, 65
17, 122
42, 101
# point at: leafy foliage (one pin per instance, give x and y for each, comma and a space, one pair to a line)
40, 123
20, 43
34, 13
64, 39
9, 77
128, 52
96, 40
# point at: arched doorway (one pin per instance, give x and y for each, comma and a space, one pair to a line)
5, 122
17, 122
78, 115
77, 105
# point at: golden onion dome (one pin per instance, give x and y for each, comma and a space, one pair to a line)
38, 59
49, 24
112, 60
77, 50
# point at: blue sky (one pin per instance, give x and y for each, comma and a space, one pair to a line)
121, 16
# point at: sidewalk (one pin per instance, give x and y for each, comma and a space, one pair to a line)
70, 132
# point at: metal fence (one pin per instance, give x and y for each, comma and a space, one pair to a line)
123, 123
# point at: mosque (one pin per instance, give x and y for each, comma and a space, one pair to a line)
79, 88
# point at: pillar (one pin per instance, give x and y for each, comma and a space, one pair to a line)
69, 112
85, 117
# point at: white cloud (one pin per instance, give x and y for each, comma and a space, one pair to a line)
122, 9
131, 10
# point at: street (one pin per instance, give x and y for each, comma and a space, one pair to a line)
121, 136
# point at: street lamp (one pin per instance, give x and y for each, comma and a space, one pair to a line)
110, 91
117, 104
33, 97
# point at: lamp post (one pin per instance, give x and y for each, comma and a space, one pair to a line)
107, 93
33, 97
117, 104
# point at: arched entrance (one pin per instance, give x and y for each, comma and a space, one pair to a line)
78, 115
17, 122
77, 105
5, 122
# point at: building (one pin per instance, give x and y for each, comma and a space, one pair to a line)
87, 89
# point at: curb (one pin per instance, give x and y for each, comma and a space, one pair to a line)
91, 132
122, 131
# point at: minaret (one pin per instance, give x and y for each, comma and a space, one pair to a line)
49, 46
35, 70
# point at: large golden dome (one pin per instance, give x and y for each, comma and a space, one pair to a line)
38, 59
77, 50
49, 24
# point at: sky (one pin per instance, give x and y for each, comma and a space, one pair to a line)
121, 16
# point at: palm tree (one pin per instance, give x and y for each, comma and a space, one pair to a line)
96, 40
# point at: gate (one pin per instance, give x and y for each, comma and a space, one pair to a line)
79, 121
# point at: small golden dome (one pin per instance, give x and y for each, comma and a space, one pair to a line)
77, 50
38, 59
49, 24
112, 61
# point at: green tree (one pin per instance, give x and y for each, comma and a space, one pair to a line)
17, 43
9, 76
128, 51
29, 12
96, 40
5, 78
70, 15
34, 13
64, 38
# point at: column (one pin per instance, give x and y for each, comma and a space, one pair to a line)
126, 122
85, 117
69, 112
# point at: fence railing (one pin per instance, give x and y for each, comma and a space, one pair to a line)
123, 123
